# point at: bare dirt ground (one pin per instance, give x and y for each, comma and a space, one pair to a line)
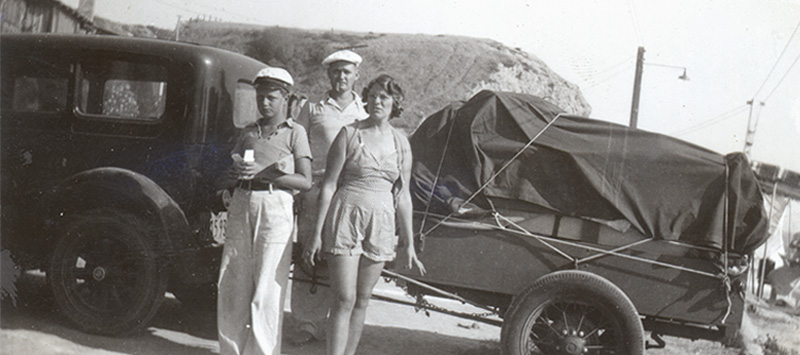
35, 327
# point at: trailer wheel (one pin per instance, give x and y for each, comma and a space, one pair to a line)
572, 312
105, 274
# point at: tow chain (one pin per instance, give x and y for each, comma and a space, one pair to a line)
423, 304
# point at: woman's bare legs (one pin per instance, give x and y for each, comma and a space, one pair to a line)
369, 272
352, 280
344, 278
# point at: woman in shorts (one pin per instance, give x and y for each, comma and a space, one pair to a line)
365, 189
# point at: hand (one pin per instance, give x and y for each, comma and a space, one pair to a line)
413, 260
238, 168
247, 169
311, 250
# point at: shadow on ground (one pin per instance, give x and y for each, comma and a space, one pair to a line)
180, 330
174, 330
400, 341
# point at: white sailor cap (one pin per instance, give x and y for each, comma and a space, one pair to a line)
274, 77
344, 55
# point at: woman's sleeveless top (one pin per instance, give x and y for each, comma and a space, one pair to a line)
363, 205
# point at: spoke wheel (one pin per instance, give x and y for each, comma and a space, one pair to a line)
104, 273
571, 313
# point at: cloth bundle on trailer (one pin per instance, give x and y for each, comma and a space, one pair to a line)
580, 167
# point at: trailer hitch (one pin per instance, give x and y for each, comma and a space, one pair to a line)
660, 344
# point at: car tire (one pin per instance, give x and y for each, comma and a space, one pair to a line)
572, 312
105, 274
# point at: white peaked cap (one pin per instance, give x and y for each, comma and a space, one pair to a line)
277, 76
344, 55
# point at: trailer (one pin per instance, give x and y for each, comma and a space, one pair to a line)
580, 234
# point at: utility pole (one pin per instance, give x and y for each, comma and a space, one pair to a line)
178, 30
752, 122
637, 87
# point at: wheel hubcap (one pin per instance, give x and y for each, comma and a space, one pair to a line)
573, 345
99, 273
571, 328
105, 274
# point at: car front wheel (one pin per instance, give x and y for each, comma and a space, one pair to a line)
105, 274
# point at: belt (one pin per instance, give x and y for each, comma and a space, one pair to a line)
254, 185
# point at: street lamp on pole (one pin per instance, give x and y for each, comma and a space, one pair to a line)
682, 76
637, 83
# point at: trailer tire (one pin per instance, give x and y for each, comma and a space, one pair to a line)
105, 273
572, 312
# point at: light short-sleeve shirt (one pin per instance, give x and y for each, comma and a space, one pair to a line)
323, 119
288, 138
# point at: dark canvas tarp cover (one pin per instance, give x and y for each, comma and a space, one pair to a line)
666, 188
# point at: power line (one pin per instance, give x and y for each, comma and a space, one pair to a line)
608, 77
606, 69
752, 122
708, 123
597, 77
635, 20
778, 60
717, 119
783, 77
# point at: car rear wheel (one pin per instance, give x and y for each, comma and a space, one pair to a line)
105, 274
572, 312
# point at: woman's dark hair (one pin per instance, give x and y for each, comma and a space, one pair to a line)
388, 84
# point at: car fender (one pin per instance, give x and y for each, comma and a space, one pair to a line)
112, 187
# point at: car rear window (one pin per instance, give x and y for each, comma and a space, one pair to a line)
122, 90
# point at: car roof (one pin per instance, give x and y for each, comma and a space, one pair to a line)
180, 51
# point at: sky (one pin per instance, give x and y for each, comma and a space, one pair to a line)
733, 51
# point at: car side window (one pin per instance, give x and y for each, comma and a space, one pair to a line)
36, 85
122, 90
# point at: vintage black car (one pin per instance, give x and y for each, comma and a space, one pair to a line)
111, 151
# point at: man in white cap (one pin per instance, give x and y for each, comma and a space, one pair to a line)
323, 118
271, 158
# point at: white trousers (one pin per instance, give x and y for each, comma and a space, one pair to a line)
254, 272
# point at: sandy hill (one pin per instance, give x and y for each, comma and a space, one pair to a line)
433, 70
